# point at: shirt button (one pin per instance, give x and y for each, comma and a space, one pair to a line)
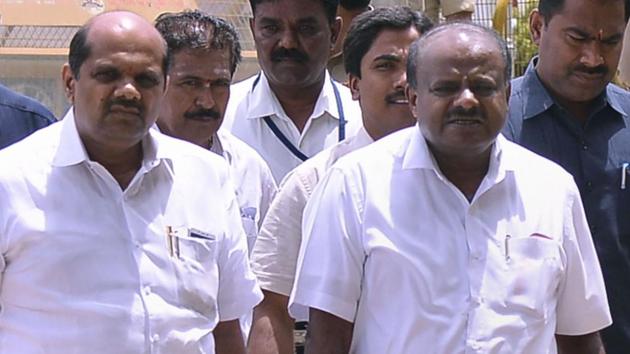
147, 290
584, 146
155, 338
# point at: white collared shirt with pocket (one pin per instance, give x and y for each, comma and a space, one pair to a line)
394, 247
90, 268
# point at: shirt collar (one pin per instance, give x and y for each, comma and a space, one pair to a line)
535, 95
537, 99
418, 156
71, 150
362, 138
264, 102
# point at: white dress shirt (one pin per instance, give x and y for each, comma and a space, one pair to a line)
276, 250
393, 246
252, 178
250, 103
89, 268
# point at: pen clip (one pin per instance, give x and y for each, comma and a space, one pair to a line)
507, 247
624, 174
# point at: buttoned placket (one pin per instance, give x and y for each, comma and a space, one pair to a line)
128, 201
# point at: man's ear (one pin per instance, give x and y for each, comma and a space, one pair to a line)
335, 29
412, 98
68, 80
353, 84
536, 24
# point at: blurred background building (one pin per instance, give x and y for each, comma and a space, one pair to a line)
35, 34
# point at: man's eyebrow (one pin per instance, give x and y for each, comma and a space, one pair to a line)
309, 19
186, 77
267, 20
388, 57
613, 37
578, 31
584, 33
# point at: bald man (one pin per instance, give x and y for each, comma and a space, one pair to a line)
125, 253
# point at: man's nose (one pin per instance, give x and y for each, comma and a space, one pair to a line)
128, 91
288, 39
204, 98
466, 99
592, 55
401, 80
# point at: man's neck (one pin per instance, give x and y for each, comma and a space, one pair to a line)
298, 102
122, 164
465, 172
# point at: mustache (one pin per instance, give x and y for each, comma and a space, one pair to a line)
203, 113
292, 54
462, 113
396, 96
600, 69
125, 103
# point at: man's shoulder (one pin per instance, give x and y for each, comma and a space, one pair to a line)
380, 156
26, 107
31, 153
238, 149
188, 154
239, 95
533, 167
244, 85
619, 97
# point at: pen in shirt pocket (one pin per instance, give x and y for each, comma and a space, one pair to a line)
624, 174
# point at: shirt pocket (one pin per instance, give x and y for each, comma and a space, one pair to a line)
534, 267
196, 269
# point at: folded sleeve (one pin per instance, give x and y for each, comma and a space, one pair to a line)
275, 252
582, 302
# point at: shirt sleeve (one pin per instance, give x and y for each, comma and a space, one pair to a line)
238, 290
275, 252
330, 264
582, 302
269, 190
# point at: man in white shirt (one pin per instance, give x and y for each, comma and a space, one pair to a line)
108, 242
375, 56
445, 237
292, 109
205, 52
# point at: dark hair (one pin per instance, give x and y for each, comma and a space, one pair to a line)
548, 8
198, 30
417, 48
330, 7
80, 49
354, 4
366, 27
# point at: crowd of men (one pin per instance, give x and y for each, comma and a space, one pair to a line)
419, 201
